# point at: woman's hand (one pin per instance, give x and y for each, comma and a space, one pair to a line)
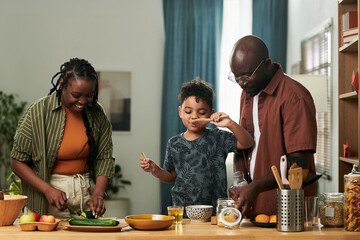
97, 205
56, 198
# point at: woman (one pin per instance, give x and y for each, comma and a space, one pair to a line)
63, 144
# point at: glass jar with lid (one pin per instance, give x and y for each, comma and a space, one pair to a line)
239, 179
332, 209
221, 204
352, 202
230, 217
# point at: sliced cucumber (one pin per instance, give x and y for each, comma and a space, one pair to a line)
87, 215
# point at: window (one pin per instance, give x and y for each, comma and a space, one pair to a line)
316, 59
237, 23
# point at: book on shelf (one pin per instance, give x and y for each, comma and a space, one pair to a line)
349, 38
349, 20
350, 32
348, 27
341, 26
355, 81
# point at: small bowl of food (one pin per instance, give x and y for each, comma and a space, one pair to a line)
263, 220
10, 208
199, 213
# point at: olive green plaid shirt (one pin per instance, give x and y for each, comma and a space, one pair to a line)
37, 141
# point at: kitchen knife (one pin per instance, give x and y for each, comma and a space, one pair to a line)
284, 170
311, 180
73, 211
295, 159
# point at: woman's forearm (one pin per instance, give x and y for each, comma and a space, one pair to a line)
26, 174
101, 184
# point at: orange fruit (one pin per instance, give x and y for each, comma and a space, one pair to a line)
272, 219
262, 218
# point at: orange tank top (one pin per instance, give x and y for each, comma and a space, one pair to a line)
73, 151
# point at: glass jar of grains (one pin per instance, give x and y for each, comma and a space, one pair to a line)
221, 204
332, 209
352, 202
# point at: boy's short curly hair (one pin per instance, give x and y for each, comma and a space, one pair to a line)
198, 88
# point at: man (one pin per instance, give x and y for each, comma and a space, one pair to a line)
280, 114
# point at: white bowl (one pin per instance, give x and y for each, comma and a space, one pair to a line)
199, 213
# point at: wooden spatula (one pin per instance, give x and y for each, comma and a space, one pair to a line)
207, 120
277, 177
295, 178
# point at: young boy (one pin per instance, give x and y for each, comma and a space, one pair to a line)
195, 159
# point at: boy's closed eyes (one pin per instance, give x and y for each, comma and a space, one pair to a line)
189, 110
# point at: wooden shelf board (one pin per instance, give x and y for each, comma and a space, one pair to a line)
349, 160
347, 1
349, 95
349, 59
350, 47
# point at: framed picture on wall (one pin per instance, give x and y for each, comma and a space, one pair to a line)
115, 97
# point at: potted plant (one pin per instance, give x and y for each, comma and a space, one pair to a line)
10, 112
115, 206
117, 183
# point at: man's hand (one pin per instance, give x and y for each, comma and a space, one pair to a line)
244, 197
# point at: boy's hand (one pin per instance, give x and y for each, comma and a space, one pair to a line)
220, 119
147, 165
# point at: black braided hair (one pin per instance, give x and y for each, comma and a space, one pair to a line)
80, 68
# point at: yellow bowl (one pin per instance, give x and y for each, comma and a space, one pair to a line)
149, 221
10, 208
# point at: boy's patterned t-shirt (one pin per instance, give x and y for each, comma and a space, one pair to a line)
200, 167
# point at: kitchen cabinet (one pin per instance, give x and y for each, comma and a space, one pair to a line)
348, 98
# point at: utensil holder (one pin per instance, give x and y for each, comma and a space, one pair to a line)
290, 210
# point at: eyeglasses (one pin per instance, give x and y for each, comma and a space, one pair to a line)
243, 78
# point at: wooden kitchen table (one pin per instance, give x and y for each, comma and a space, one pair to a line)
187, 230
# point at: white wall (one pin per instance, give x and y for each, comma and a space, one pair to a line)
304, 16
37, 36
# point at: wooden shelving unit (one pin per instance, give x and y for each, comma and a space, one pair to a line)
348, 99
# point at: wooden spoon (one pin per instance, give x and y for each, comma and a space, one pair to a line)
207, 120
277, 177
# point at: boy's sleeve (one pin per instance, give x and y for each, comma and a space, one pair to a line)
168, 162
229, 141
